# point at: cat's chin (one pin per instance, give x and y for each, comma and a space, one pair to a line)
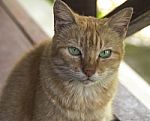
88, 82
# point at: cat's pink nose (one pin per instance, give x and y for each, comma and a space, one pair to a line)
89, 71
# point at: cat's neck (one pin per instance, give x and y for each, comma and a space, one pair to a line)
82, 103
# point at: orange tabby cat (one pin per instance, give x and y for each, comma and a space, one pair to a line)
71, 78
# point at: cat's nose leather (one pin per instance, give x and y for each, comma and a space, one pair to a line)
89, 71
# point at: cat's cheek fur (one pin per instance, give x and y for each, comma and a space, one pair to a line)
106, 69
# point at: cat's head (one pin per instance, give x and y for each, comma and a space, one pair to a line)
87, 49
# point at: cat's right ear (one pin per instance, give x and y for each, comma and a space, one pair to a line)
63, 16
119, 22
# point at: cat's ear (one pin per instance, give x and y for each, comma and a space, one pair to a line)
120, 21
63, 15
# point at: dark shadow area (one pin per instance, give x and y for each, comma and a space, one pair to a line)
115, 118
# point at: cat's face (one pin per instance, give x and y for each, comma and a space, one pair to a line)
85, 49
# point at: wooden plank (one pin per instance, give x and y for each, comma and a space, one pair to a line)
83, 7
139, 7
12, 45
135, 84
28, 26
128, 108
139, 23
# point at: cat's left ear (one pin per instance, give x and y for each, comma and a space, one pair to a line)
120, 21
63, 15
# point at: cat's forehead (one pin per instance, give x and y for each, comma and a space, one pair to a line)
93, 28
92, 32
88, 32
90, 23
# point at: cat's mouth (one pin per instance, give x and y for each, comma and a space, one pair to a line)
88, 81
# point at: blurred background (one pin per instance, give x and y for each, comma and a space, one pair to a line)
137, 45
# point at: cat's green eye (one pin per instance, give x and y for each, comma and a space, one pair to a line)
105, 53
74, 51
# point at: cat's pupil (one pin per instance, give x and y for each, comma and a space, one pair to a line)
74, 51
105, 53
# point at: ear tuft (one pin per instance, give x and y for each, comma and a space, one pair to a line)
120, 21
63, 15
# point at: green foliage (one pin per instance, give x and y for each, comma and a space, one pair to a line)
100, 14
51, 1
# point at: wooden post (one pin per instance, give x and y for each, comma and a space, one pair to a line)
83, 7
